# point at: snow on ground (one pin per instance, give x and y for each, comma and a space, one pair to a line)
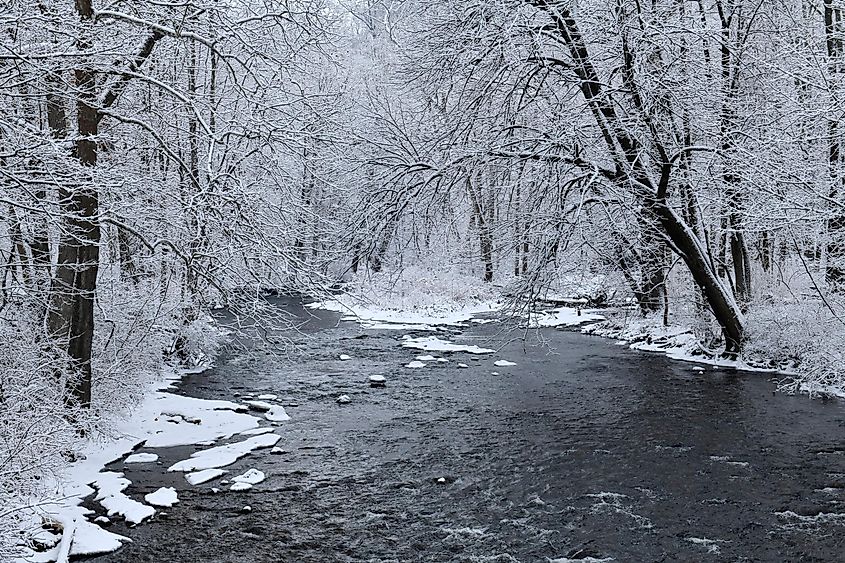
677, 343
435, 311
503, 363
563, 316
141, 458
162, 497
416, 364
221, 456
434, 344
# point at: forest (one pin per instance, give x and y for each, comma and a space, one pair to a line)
679, 163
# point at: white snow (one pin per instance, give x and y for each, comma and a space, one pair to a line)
228, 454
420, 318
344, 399
377, 379
141, 458
163, 496
503, 363
434, 344
204, 476
251, 476
90, 539
268, 397
240, 487
162, 419
110, 487
416, 364
563, 316
426, 358
277, 413
463, 366
344, 357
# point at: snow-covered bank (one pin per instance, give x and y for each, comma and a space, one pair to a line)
774, 349
162, 420
374, 316
415, 299
681, 343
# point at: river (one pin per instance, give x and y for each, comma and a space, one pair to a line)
584, 450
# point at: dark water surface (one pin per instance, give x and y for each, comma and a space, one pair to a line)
584, 449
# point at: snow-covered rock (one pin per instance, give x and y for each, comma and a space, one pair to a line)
503, 363
277, 414
204, 476
251, 476
416, 364
259, 406
377, 381
344, 400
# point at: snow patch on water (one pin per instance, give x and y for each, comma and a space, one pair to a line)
163, 497
221, 456
141, 458
110, 487
204, 476
434, 344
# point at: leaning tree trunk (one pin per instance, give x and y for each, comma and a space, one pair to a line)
626, 152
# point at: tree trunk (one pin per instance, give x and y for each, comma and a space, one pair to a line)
835, 272
72, 292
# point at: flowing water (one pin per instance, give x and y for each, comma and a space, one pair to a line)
584, 450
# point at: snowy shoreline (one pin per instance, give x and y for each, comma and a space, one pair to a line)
163, 419
675, 342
